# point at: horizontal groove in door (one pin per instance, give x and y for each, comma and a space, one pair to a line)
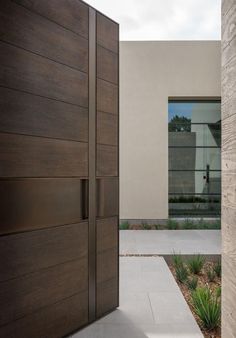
107, 234
31, 156
53, 321
25, 253
107, 33
107, 65
107, 160
73, 15
107, 97
23, 113
107, 128
39, 203
24, 295
32, 32
107, 197
20, 69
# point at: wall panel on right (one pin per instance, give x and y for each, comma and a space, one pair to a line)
229, 168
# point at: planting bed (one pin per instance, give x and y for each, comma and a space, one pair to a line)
203, 281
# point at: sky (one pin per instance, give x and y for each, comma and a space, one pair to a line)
164, 19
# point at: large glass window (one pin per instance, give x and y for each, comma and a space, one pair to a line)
194, 158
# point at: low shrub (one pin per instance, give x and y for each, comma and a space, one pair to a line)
195, 264
217, 268
192, 283
124, 226
181, 273
207, 307
188, 224
146, 226
172, 224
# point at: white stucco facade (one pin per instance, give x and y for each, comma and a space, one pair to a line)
150, 73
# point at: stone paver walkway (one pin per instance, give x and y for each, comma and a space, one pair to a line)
151, 305
164, 242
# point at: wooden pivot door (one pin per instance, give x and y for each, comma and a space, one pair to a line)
59, 180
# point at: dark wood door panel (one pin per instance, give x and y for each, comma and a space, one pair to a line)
30, 31
107, 233
29, 204
107, 33
22, 70
107, 65
27, 156
107, 128
28, 252
72, 15
107, 296
24, 295
51, 322
107, 265
107, 197
107, 97
107, 160
28, 114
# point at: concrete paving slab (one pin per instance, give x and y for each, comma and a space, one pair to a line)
151, 305
164, 242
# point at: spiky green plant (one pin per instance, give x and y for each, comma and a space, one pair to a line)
195, 264
181, 273
192, 283
177, 259
217, 268
207, 307
211, 275
218, 292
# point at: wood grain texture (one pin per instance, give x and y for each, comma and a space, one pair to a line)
107, 298
228, 108
229, 169
24, 295
22, 70
225, 7
107, 33
107, 265
23, 113
25, 253
229, 79
107, 128
228, 295
228, 34
51, 322
107, 65
228, 236
27, 30
39, 203
107, 197
107, 234
107, 97
71, 14
107, 160
27, 156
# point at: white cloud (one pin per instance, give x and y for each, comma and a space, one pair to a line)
164, 19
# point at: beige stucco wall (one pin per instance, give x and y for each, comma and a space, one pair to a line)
150, 72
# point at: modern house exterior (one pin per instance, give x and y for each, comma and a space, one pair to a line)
176, 170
